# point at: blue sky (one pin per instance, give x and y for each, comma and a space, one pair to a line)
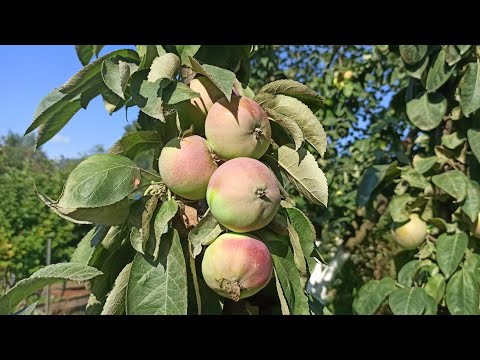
28, 73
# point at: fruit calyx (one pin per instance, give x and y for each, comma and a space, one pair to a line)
258, 132
233, 288
261, 193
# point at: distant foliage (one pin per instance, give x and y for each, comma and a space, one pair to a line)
26, 223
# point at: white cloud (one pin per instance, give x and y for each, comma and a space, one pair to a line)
60, 139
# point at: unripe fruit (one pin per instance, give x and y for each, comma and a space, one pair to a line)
209, 93
243, 195
186, 166
239, 128
237, 266
412, 234
347, 75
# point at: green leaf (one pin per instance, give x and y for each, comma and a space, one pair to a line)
463, 48
147, 214
106, 246
371, 295
416, 71
435, 287
115, 302
290, 280
302, 170
439, 73
298, 255
450, 251
164, 67
110, 106
147, 54
414, 179
132, 144
296, 90
291, 108
452, 56
453, 182
167, 211
85, 248
427, 112
45, 276
115, 74
148, 95
50, 104
176, 92
422, 165
408, 272
306, 233
136, 240
91, 73
474, 142
222, 78
56, 121
471, 206
100, 180
84, 53
97, 49
28, 310
159, 287
456, 113
372, 178
430, 306
452, 141
187, 51
281, 296
472, 264
110, 256
427, 249
114, 214
225, 56
444, 155
53, 112
248, 92
398, 206
285, 269
279, 224
443, 225
412, 54
463, 294
112, 101
408, 301
204, 233
61, 104
288, 124
470, 89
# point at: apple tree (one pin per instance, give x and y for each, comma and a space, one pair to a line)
210, 228
432, 201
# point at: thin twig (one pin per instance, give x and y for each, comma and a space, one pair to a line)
150, 173
195, 284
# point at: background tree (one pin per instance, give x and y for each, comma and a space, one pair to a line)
438, 183
26, 223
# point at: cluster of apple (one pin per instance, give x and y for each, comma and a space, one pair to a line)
242, 193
